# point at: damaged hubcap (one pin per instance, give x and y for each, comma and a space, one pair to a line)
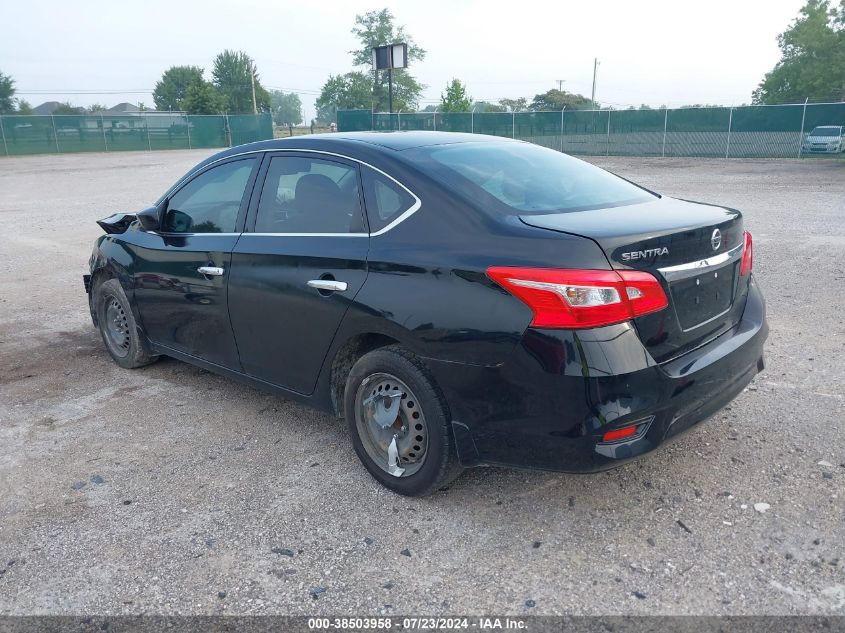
391, 425
117, 327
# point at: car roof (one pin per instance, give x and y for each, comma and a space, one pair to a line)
378, 141
346, 143
410, 139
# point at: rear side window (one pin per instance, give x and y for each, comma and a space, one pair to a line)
386, 200
309, 195
527, 178
210, 202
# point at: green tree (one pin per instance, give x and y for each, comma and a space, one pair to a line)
96, 107
203, 98
170, 91
67, 108
557, 99
24, 107
286, 108
486, 106
514, 105
456, 98
352, 91
378, 28
7, 93
812, 64
232, 76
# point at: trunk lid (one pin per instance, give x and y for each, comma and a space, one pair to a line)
693, 249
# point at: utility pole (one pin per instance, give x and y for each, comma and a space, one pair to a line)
595, 70
255, 105
560, 84
801, 135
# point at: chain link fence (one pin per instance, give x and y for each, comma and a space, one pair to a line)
59, 134
743, 132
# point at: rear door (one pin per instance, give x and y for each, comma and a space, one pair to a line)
297, 267
694, 249
181, 271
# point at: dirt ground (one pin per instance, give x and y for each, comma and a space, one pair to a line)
172, 490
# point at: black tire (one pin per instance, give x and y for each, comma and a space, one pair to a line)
121, 335
439, 465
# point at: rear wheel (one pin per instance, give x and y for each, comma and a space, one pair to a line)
118, 326
399, 422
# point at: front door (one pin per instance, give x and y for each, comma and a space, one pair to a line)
295, 271
181, 272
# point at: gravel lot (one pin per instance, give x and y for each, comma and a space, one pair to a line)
172, 490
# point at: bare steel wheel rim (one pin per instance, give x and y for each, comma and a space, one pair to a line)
391, 424
117, 327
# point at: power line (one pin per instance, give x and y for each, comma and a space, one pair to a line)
106, 91
83, 92
316, 92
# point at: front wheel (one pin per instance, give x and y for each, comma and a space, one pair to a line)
118, 327
399, 422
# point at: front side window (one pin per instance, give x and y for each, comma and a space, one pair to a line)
309, 195
210, 202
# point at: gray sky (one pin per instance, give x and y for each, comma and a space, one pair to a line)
670, 52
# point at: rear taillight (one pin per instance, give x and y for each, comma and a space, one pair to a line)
566, 298
747, 254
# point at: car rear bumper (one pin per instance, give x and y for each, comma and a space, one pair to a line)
549, 406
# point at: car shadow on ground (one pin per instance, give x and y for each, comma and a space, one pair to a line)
280, 422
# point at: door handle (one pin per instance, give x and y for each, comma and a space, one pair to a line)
211, 271
328, 284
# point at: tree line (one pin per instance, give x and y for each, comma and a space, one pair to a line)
368, 89
184, 88
235, 88
812, 64
812, 67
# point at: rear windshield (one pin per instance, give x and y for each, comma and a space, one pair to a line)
826, 131
528, 178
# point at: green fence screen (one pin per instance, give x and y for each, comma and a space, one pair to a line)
742, 132
61, 134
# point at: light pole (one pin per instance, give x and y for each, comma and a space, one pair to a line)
252, 77
387, 58
390, 90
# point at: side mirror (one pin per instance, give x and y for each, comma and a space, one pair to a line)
150, 219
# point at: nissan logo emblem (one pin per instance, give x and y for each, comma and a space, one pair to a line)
716, 239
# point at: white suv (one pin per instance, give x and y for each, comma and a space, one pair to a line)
827, 139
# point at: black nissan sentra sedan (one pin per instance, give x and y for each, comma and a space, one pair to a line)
462, 300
